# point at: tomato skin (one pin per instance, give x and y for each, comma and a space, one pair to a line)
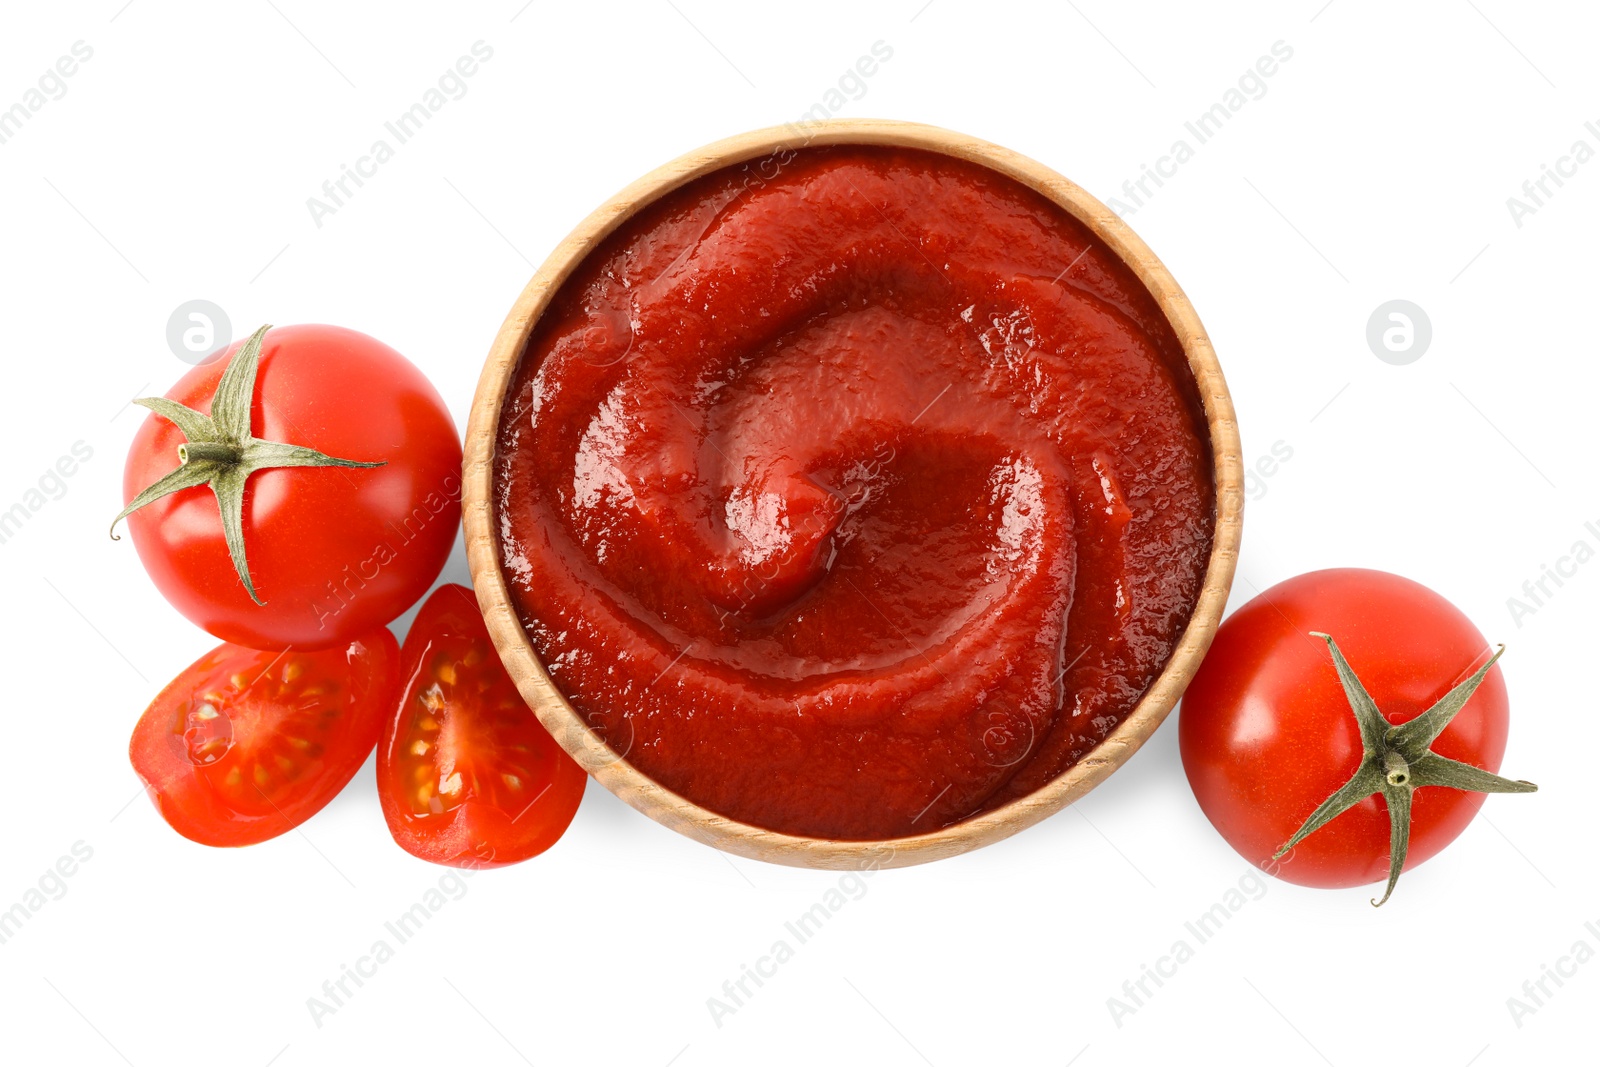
334, 552
1266, 733
291, 731
515, 789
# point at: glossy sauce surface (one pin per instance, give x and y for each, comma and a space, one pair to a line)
853, 493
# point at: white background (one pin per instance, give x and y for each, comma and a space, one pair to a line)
1377, 166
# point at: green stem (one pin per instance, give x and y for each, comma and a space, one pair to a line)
1397, 760
220, 452
208, 451
1396, 771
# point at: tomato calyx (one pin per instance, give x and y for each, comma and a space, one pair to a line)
1396, 760
219, 451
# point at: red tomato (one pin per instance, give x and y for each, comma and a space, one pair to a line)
246, 745
334, 552
1267, 733
467, 775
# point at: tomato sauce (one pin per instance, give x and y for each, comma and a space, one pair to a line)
856, 499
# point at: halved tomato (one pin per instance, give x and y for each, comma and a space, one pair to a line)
467, 775
246, 745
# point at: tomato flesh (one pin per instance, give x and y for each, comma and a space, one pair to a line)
467, 775
245, 745
1267, 734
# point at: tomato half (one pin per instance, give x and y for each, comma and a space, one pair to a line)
334, 552
466, 774
1267, 733
246, 745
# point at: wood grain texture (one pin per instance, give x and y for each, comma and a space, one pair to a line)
670, 809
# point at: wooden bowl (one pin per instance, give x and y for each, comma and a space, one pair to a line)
670, 809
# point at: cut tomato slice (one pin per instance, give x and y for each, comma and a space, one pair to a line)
467, 775
246, 745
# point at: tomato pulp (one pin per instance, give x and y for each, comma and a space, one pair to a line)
857, 500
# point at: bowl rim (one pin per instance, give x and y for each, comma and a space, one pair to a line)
679, 813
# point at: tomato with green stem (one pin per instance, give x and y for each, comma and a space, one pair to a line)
1344, 727
245, 745
466, 774
299, 490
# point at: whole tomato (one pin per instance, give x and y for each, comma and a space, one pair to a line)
343, 470
1269, 731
